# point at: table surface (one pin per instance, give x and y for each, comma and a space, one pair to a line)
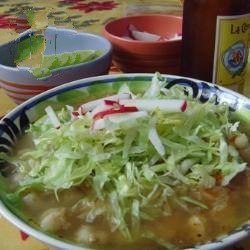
91, 18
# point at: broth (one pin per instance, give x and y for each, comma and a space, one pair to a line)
165, 174
183, 228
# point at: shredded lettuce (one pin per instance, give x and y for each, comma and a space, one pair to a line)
158, 83
133, 165
194, 202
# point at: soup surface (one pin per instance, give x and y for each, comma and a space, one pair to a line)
146, 171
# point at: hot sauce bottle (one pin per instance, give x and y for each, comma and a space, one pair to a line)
216, 41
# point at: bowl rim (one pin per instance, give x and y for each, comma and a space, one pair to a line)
228, 239
61, 29
109, 34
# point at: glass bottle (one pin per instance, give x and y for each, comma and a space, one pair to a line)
215, 41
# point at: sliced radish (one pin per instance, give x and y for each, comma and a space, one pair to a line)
184, 106
77, 113
111, 102
81, 111
164, 38
145, 36
117, 119
156, 141
53, 117
74, 115
142, 35
88, 115
175, 37
98, 124
120, 118
131, 27
102, 107
89, 106
153, 104
120, 110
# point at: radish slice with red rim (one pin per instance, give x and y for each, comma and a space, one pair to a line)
143, 35
120, 110
124, 117
98, 124
102, 107
89, 106
171, 105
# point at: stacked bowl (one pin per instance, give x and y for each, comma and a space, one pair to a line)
20, 84
146, 56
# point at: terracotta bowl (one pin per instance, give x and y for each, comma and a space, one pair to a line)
141, 56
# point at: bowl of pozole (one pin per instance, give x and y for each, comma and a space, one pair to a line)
131, 161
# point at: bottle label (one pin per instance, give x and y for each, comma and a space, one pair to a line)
231, 49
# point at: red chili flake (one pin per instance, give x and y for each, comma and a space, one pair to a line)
24, 236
